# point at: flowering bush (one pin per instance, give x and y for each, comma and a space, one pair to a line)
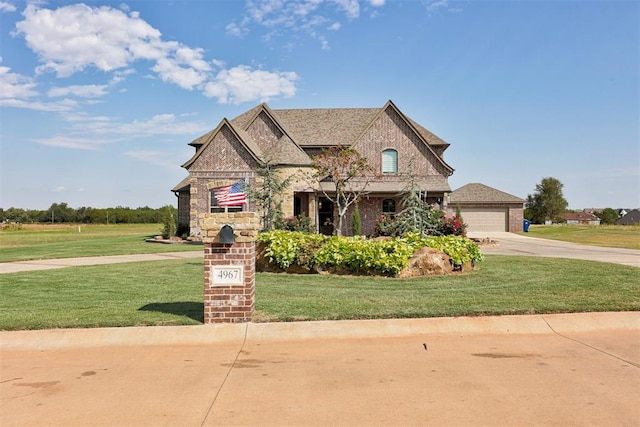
385, 226
295, 223
454, 226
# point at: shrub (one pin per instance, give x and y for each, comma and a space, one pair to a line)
385, 226
356, 224
300, 223
285, 248
168, 223
453, 226
359, 255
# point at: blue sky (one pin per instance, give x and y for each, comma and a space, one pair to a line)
98, 100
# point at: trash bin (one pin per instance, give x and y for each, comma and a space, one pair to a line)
525, 225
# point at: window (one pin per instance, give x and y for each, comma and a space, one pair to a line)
229, 198
215, 208
389, 207
390, 161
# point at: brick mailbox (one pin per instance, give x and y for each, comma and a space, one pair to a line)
229, 265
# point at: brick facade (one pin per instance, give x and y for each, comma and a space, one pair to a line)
230, 152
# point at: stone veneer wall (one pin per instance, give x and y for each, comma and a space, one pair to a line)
235, 302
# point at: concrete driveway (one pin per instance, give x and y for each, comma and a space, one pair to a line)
516, 244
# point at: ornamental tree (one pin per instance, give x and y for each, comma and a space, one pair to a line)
349, 174
267, 193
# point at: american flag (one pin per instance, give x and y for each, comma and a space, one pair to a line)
231, 195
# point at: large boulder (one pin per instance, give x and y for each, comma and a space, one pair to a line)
427, 262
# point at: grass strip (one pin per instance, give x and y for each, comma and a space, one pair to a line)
91, 240
171, 293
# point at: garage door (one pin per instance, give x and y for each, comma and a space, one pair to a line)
485, 219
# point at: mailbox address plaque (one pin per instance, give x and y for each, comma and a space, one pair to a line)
227, 275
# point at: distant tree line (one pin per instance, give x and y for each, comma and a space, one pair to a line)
62, 213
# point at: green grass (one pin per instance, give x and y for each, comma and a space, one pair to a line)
171, 293
612, 236
65, 241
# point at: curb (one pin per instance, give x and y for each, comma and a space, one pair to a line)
289, 331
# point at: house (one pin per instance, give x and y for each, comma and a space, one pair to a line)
392, 143
484, 208
631, 217
583, 218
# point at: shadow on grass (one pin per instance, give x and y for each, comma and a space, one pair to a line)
193, 310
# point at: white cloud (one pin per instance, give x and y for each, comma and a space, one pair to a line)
7, 7
76, 37
434, 5
87, 132
59, 189
350, 7
85, 91
15, 85
241, 84
305, 16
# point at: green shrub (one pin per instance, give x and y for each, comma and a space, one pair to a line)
356, 223
168, 223
286, 248
359, 255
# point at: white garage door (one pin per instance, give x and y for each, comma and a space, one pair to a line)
485, 219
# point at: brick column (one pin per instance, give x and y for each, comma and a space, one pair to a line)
229, 268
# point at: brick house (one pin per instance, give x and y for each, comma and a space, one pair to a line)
391, 142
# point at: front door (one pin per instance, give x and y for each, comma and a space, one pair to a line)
325, 216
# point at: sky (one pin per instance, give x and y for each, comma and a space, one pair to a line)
98, 100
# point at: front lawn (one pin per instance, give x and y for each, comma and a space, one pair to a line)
171, 293
611, 236
73, 240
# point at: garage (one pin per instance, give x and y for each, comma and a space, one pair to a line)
487, 219
486, 209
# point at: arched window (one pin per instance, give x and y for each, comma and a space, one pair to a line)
389, 207
390, 161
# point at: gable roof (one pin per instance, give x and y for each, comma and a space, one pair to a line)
311, 128
480, 193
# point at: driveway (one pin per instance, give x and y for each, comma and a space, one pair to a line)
517, 244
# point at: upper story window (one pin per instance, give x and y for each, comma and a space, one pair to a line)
390, 161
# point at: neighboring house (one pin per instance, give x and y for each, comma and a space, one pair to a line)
484, 208
631, 217
392, 143
582, 218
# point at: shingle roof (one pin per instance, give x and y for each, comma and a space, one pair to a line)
480, 193
310, 128
325, 126
580, 216
182, 185
632, 217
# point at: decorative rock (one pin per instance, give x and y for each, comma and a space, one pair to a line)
427, 262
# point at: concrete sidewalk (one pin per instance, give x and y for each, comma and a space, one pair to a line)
578, 369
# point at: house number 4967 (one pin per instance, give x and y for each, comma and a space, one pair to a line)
227, 275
